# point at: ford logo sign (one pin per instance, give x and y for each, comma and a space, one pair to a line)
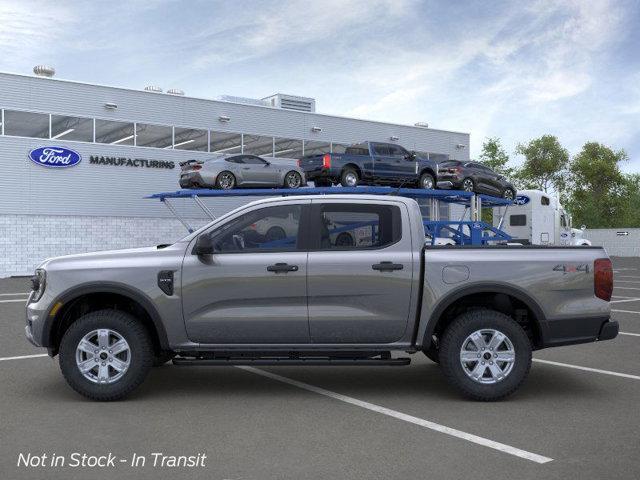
56, 157
521, 200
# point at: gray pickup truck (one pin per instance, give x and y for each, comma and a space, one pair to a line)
232, 294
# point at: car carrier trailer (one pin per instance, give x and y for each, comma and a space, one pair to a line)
471, 231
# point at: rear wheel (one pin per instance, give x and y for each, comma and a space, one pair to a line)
292, 180
105, 355
432, 353
468, 185
349, 178
485, 354
427, 181
225, 181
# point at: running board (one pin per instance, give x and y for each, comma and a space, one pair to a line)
311, 361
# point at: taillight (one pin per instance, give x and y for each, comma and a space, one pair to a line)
603, 278
326, 161
299, 162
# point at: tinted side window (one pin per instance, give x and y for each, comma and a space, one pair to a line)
253, 160
235, 160
267, 229
517, 220
354, 227
397, 151
381, 149
544, 200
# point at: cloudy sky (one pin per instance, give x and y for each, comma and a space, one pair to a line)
515, 70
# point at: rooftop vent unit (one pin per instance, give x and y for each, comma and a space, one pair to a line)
291, 102
244, 100
175, 91
422, 124
153, 88
44, 71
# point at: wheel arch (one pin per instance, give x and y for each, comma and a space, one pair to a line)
504, 298
94, 296
354, 166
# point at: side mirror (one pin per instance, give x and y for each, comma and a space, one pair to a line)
410, 156
203, 246
267, 164
583, 227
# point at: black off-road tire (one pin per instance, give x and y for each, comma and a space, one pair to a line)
131, 330
162, 358
451, 344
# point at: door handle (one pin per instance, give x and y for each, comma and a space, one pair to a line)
246, 168
282, 267
387, 266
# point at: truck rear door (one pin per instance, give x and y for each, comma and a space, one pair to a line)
359, 272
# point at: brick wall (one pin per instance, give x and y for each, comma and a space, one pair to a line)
27, 240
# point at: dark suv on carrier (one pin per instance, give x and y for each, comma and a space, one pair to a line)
474, 177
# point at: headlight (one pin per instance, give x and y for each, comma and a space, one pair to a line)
38, 284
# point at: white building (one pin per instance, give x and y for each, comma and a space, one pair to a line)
142, 136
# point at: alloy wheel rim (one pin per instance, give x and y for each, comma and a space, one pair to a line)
103, 356
467, 186
351, 179
226, 181
293, 180
508, 194
427, 183
487, 356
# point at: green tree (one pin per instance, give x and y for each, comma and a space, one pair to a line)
545, 164
495, 157
599, 192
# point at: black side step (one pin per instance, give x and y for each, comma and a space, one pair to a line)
311, 361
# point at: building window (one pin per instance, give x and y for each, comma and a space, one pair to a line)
190, 139
338, 147
312, 147
224, 142
72, 128
157, 136
287, 148
114, 133
258, 145
26, 124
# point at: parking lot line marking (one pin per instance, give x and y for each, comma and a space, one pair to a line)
2, 359
626, 276
485, 442
627, 288
13, 294
630, 334
627, 281
588, 369
620, 296
626, 311
23, 300
625, 300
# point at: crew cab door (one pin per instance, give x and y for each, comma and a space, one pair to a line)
252, 288
360, 271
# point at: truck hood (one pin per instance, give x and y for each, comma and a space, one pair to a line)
107, 256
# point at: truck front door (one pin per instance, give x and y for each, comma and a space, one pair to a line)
252, 289
360, 272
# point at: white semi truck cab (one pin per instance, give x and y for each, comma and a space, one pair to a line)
537, 218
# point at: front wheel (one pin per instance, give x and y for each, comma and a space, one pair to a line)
485, 354
292, 180
508, 194
427, 181
105, 355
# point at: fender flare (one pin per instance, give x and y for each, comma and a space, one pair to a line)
540, 319
105, 287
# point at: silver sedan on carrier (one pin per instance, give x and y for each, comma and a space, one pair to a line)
240, 170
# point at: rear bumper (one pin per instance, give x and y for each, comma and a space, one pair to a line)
448, 182
570, 331
192, 180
